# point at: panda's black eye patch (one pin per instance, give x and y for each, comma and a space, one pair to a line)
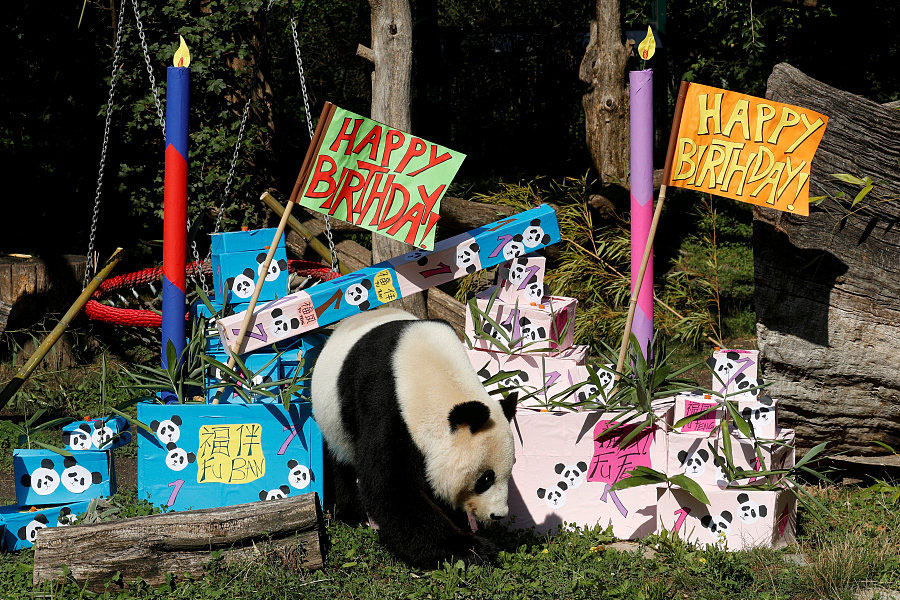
484, 482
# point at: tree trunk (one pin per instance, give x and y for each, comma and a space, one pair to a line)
392, 54
606, 102
287, 530
827, 286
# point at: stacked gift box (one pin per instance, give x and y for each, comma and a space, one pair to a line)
234, 449
52, 489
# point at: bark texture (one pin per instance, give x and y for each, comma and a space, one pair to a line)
606, 101
287, 530
827, 286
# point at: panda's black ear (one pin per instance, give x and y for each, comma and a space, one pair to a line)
559, 468
366, 284
292, 463
22, 533
763, 510
582, 466
285, 489
703, 454
261, 257
276, 312
732, 355
249, 274
523, 376
262, 495
282, 264
229, 282
541, 492
96, 477
743, 498
473, 413
508, 405
767, 400
85, 427
176, 419
171, 446
536, 222
517, 237
711, 362
364, 306
682, 455
470, 269
727, 516
154, 425
41, 518
475, 247
47, 463
26, 480
191, 457
69, 462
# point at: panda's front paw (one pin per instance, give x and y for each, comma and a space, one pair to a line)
483, 551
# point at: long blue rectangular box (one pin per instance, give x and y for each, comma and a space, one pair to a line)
19, 524
46, 477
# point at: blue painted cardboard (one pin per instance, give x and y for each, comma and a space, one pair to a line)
203, 456
19, 524
235, 274
243, 241
96, 434
45, 477
300, 358
263, 365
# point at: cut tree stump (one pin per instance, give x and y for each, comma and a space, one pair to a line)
289, 531
827, 286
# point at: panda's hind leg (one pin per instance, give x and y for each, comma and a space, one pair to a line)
345, 494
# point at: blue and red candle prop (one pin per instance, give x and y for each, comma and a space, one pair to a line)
178, 81
641, 200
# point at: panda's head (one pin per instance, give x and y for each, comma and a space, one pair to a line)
66, 517
534, 291
276, 494
167, 430
357, 294
530, 332
243, 284
606, 377
416, 255
78, 438
299, 475
693, 463
516, 271
534, 235
28, 533
102, 436
554, 496
514, 381
749, 511
276, 267
514, 248
43, 480
282, 323
76, 478
178, 458
467, 256
588, 391
722, 365
572, 475
718, 525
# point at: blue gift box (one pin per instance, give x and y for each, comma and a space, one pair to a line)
19, 524
243, 241
46, 477
96, 434
265, 366
203, 455
236, 259
299, 359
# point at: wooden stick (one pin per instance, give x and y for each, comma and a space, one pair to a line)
28, 368
302, 231
305, 168
648, 249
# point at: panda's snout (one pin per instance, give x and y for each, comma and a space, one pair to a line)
496, 517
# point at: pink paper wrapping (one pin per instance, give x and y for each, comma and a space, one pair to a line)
690, 454
533, 328
522, 280
734, 371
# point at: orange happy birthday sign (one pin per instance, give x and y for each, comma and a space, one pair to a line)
746, 148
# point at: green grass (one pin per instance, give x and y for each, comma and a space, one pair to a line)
852, 550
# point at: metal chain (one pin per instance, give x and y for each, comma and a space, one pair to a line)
293, 20
140, 28
114, 75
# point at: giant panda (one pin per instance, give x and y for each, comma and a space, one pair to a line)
415, 439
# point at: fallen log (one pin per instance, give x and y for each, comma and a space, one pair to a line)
827, 286
289, 531
442, 305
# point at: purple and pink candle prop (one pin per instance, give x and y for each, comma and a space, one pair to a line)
641, 200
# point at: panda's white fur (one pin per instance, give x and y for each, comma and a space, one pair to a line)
433, 383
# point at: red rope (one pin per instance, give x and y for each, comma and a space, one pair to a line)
97, 311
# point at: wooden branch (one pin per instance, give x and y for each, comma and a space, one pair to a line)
302, 231
287, 530
457, 213
365, 52
442, 305
5, 309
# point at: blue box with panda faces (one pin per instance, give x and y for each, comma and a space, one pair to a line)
265, 366
19, 524
203, 456
237, 258
97, 434
299, 359
46, 477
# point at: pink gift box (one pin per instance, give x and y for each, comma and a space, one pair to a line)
761, 414
522, 280
690, 404
734, 519
563, 475
541, 377
527, 328
734, 371
692, 454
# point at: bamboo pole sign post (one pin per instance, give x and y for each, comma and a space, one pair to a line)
729, 144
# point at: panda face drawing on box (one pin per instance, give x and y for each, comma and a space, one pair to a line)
276, 494
718, 525
78, 439
749, 511
555, 495
744, 384
243, 284
572, 475
514, 381
606, 378
177, 458
722, 366
357, 294
167, 430
28, 533
534, 235
514, 248
66, 517
276, 267
299, 476
416, 255
43, 480
102, 436
721, 477
761, 414
534, 292
466, 257
76, 478
517, 271
281, 323
693, 463
587, 392
530, 332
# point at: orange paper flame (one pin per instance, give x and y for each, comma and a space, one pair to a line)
182, 56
